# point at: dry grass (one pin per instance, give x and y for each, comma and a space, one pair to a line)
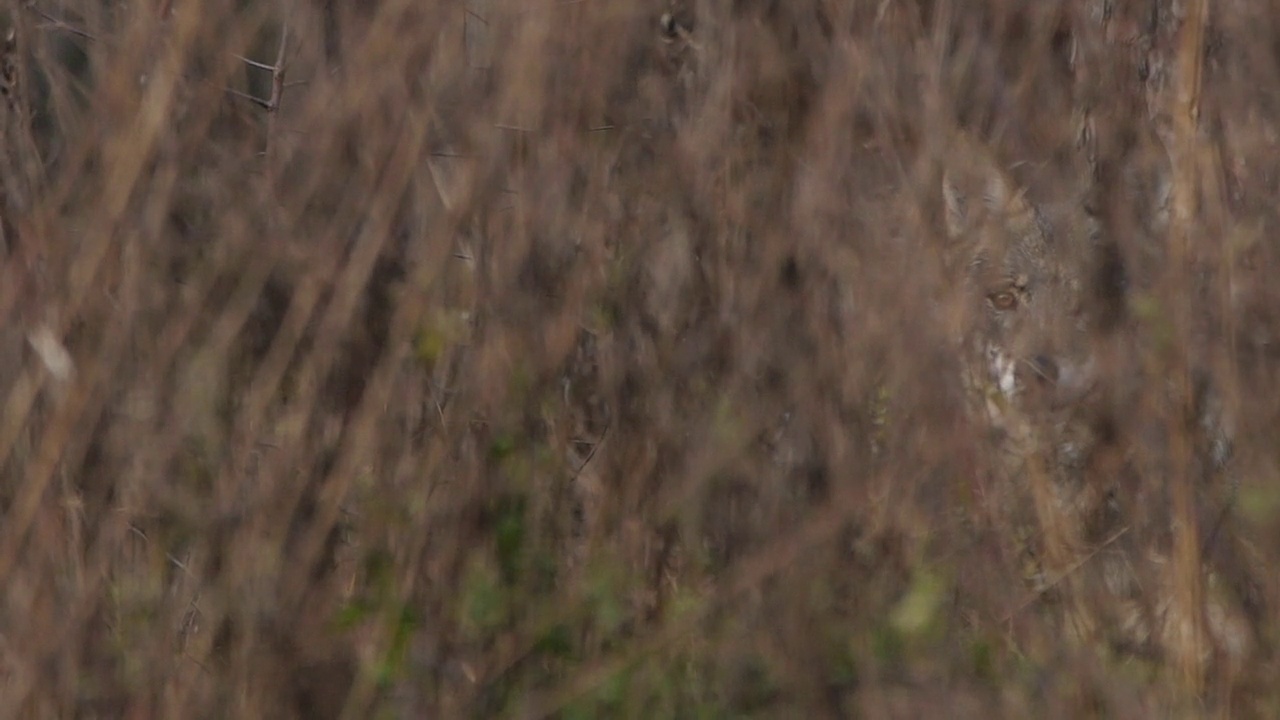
578, 359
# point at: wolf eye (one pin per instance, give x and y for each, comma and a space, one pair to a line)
1004, 300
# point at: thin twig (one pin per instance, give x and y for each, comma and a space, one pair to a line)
604, 434
264, 104
1064, 574
59, 24
277, 91
255, 63
278, 70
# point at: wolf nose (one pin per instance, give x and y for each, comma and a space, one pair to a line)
1061, 383
1045, 369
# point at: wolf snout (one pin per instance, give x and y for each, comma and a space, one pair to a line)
1044, 368
1060, 381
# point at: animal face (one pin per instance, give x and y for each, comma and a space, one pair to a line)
1025, 328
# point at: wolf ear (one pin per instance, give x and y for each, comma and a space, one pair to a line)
955, 206
999, 196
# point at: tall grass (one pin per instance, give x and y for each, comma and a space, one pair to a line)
597, 359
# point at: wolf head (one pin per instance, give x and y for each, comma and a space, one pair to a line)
1025, 327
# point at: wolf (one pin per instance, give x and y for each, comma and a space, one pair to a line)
1022, 318
1027, 320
